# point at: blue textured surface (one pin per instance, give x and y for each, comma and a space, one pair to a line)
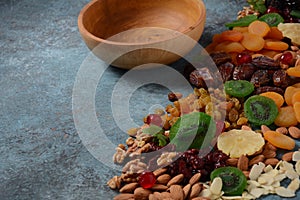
41, 154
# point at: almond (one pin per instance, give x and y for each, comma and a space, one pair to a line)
175, 180
256, 160
186, 190
264, 128
287, 156
159, 187
201, 198
243, 162
282, 130
195, 191
270, 146
163, 179
246, 173
268, 153
195, 179
141, 193
271, 161
124, 196
153, 197
232, 162
176, 192
159, 172
294, 132
128, 188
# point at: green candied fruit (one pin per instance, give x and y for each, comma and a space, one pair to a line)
238, 88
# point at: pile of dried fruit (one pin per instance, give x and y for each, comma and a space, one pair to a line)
233, 144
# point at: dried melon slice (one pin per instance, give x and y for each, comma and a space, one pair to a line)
240, 142
291, 30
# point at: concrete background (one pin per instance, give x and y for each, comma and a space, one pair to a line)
41, 154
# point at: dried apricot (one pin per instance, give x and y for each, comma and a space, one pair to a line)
253, 42
296, 97
293, 71
275, 33
275, 45
276, 97
269, 53
259, 28
279, 140
288, 94
296, 85
231, 35
297, 111
286, 117
241, 29
229, 47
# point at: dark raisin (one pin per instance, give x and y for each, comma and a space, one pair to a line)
172, 97
280, 79
220, 57
264, 62
201, 78
188, 69
269, 89
260, 78
244, 71
226, 71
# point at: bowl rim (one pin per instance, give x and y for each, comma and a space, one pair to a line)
83, 30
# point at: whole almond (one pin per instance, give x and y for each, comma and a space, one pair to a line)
243, 163
294, 132
271, 161
176, 192
270, 146
141, 193
175, 180
195, 179
201, 198
282, 130
258, 152
128, 188
160, 171
186, 190
268, 153
159, 187
264, 128
163, 179
196, 189
153, 197
287, 156
256, 160
123, 196
165, 195
232, 162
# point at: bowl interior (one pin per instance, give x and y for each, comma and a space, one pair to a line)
106, 18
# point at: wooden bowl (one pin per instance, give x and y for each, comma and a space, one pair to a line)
129, 33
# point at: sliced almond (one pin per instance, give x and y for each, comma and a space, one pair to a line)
206, 193
257, 192
284, 192
294, 184
196, 189
297, 167
195, 179
296, 156
291, 174
256, 170
216, 186
175, 180
128, 188
176, 192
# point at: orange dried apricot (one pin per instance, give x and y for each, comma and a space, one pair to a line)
293, 71
286, 117
275, 45
269, 53
241, 29
296, 85
216, 38
288, 94
280, 140
231, 35
259, 28
296, 97
253, 42
276, 97
229, 47
275, 33
297, 111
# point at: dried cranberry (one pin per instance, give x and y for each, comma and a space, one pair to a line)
154, 119
242, 58
286, 58
147, 180
272, 9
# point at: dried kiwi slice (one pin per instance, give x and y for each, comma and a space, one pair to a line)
234, 181
273, 19
193, 131
260, 110
238, 88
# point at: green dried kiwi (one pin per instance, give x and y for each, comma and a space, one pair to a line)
233, 179
273, 19
260, 110
238, 88
245, 21
193, 131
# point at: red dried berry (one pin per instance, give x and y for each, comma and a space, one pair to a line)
242, 58
286, 58
147, 180
154, 119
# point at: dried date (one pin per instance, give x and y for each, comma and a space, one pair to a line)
280, 78
264, 62
260, 78
226, 71
220, 57
269, 89
243, 72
